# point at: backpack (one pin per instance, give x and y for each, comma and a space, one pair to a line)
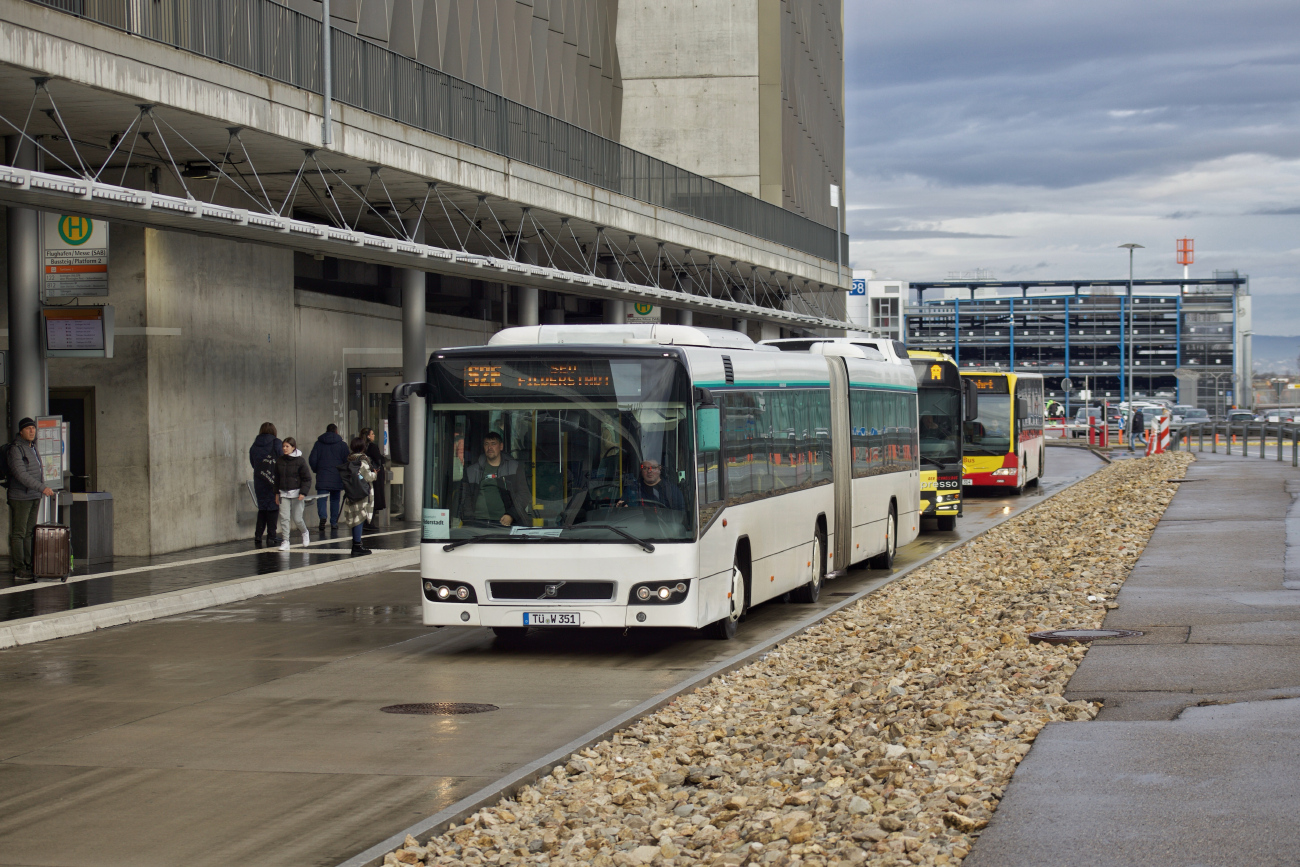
355, 487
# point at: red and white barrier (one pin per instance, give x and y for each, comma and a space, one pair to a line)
1159, 439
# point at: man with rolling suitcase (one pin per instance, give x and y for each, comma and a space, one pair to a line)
26, 487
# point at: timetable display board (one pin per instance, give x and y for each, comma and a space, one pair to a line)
50, 447
78, 332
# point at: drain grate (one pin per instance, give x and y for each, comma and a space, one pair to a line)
439, 708
1180, 481
849, 593
1065, 636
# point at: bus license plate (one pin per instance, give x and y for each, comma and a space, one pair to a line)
552, 618
968, 481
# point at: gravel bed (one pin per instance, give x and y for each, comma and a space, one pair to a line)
884, 734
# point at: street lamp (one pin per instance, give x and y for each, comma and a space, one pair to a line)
1128, 378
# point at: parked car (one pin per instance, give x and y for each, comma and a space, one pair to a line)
1192, 416
1237, 416
1279, 416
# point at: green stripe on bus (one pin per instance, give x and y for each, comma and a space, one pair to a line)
740, 384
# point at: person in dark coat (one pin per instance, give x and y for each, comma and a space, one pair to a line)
262, 454
378, 464
327, 455
1137, 428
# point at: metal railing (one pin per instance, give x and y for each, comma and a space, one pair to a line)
263, 37
1194, 435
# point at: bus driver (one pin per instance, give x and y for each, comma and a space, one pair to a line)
652, 489
493, 490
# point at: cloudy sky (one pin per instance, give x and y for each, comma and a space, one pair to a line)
1032, 137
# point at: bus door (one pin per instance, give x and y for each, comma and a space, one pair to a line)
841, 523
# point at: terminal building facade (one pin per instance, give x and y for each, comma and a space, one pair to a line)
1190, 338
685, 147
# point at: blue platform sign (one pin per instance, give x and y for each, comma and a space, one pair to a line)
859, 287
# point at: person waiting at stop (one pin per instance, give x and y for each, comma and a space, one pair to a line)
651, 489
493, 490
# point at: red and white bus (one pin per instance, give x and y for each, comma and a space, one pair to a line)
1004, 447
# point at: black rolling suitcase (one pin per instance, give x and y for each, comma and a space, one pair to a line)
52, 551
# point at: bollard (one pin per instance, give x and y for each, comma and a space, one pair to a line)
1200, 434
1214, 444
1295, 446
1279, 441
1263, 438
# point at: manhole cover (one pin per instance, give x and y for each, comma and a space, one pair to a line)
441, 708
1065, 636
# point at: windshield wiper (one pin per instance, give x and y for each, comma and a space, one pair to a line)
649, 548
490, 537
486, 537
939, 464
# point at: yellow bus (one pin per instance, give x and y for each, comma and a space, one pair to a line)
1003, 447
939, 399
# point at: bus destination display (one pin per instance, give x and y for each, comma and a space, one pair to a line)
990, 384
592, 378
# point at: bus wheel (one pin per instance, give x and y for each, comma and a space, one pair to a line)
510, 633
885, 559
947, 523
810, 591
725, 629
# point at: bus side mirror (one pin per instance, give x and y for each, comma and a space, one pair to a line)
972, 401
708, 429
399, 431
399, 420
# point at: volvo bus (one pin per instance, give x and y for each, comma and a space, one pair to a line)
939, 394
1003, 446
653, 475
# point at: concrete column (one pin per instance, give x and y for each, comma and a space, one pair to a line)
554, 316
528, 294
27, 395
615, 312
742, 326
684, 317
415, 358
769, 331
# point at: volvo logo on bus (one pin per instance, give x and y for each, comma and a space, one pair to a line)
552, 590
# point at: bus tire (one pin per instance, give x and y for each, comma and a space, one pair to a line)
885, 559
725, 629
809, 592
947, 523
510, 634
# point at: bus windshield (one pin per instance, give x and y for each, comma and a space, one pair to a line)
544, 449
990, 434
940, 413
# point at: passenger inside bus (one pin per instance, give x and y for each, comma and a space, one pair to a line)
493, 489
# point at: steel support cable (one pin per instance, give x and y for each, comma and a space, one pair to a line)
500, 228
54, 114
473, 223
167, 161
306, 182
22, 132
248, 192
391, 203
293, 190
329, 190
450, 223
564, 221
237, 133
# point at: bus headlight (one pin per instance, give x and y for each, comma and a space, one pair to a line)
659, 593
449, 591
1006, 471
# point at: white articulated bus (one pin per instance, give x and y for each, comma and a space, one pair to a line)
653, 475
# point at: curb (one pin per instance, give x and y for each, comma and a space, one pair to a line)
510, 784
63, 624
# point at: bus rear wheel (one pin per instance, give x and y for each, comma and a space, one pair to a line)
725, 629
809, 592
947, 523
885, 559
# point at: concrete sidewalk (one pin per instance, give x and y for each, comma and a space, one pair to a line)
1195, 759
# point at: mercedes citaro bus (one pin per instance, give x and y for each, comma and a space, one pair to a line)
1003, 445
653, 475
